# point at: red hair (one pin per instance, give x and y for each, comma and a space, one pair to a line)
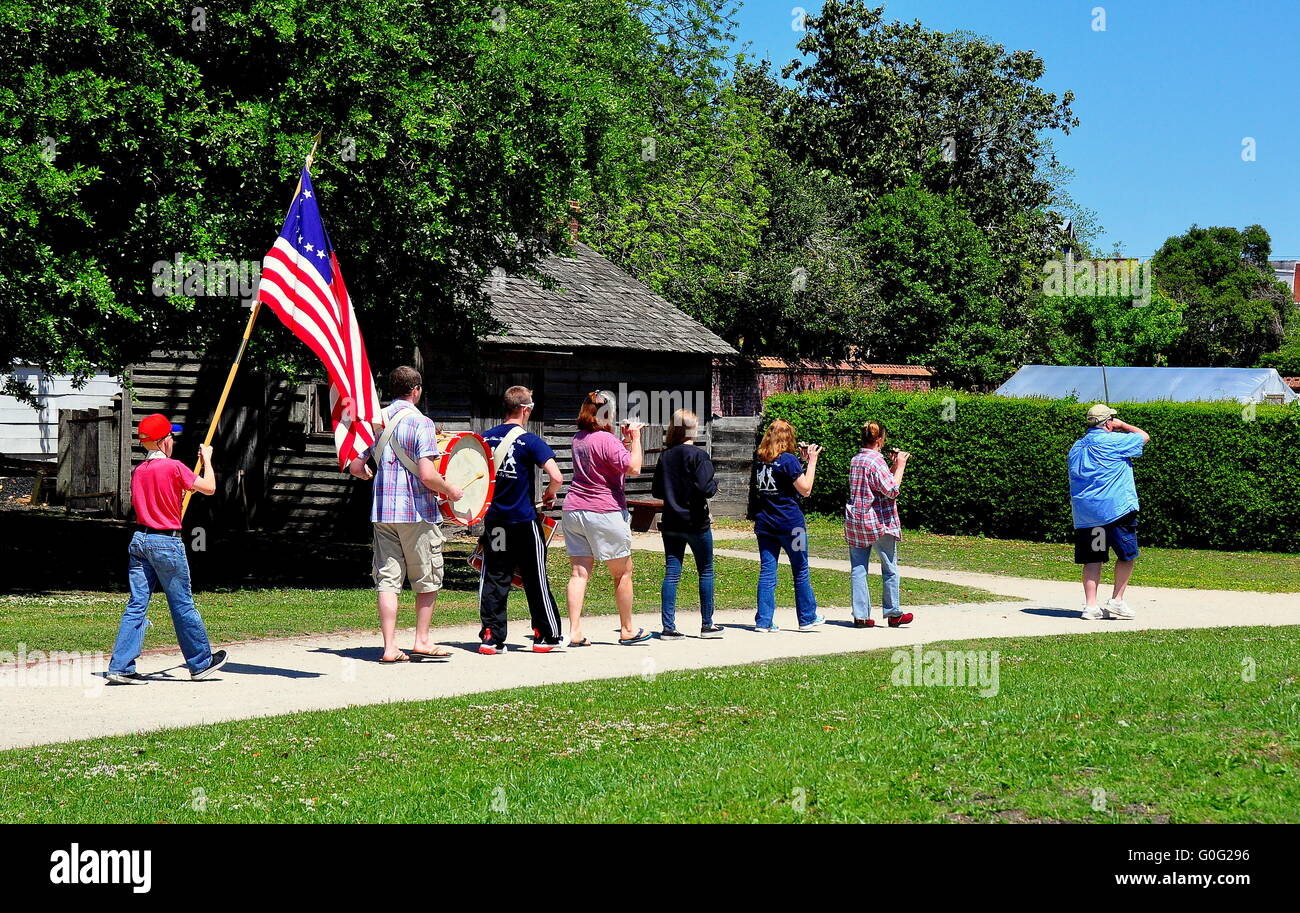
597, 412
779, 439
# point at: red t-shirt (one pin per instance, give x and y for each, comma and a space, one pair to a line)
156, 489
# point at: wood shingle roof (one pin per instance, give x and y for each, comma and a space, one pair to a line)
595, 304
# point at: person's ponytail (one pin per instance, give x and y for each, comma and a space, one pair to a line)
872, 432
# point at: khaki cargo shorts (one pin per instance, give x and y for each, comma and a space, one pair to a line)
408, 551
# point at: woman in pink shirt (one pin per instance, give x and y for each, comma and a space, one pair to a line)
596, 522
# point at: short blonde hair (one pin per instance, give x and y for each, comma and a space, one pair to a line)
683, 422
516, 398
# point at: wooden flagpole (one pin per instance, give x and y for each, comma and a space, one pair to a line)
243, 345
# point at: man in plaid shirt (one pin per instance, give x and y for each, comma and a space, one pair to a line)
871, 520
408, 535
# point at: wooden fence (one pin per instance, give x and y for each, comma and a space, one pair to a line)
94, 469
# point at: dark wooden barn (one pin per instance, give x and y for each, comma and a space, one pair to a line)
588, 326
591, 326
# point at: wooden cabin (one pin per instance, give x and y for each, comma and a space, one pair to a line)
595, 328
588, 326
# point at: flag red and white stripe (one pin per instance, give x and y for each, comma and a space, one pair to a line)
303, 285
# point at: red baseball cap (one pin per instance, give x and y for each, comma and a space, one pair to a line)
155, 427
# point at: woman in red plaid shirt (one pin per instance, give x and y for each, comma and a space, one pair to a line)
871, 520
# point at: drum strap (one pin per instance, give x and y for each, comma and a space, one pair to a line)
381, 446
500, 450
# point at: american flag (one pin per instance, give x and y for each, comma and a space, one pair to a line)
302, 284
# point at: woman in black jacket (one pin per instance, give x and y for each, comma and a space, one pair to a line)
684, 481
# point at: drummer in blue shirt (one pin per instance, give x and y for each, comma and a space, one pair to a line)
512, 535
1103, 498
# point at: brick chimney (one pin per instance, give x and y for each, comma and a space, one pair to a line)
575, 210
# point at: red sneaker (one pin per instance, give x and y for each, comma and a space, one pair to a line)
540, 645
488, 648
897, 620
864, 622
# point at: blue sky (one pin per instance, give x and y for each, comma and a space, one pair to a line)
1166, 95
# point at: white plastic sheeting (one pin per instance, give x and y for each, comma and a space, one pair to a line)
1144, 385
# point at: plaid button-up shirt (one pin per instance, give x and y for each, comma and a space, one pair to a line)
872, 510
400, 497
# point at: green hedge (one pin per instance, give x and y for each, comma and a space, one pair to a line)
1213, 475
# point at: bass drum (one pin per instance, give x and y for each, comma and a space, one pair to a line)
465, 460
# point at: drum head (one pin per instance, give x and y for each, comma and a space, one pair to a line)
466, 462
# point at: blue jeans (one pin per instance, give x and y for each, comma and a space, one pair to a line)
674, 551
887, 548
769, 550
159, 563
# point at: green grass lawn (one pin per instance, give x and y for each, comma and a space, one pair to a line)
1125, 727
1201, 569
78, 620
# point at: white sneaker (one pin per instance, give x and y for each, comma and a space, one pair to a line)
127, 678
772, 630
1118, 608
815, 623
1091, 613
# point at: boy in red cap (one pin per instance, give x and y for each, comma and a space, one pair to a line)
157, 555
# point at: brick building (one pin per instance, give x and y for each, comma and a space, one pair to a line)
740, 387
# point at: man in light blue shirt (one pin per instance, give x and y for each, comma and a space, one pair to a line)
1104, 500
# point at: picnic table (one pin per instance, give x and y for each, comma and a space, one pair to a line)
644, 511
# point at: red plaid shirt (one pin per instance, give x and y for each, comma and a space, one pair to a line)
872, 510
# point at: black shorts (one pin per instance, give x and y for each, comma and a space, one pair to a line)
1093, 544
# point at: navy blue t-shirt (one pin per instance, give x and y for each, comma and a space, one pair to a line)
513, 500
776, 509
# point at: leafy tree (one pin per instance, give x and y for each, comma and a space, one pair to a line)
884, 101
1234, 309
729, 227
691, 228
807, 292
1109, 330
136, 132
936, 280
1286, 359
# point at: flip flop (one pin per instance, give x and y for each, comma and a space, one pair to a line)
436, 654
641, 636
580, 643
400, 658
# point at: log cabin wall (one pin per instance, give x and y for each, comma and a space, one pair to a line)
274, 453
587, 326
465, 400
275, 457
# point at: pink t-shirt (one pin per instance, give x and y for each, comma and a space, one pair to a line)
156, 489
600, 464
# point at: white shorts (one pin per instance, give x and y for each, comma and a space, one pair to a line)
603, 535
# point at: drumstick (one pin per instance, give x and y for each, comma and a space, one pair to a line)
470, 482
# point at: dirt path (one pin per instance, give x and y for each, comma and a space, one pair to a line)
68, 700
57, 701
